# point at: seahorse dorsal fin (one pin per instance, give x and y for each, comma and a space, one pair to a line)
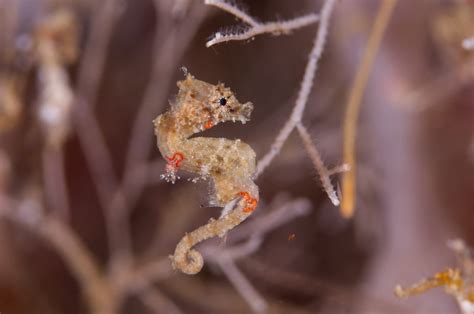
191, 88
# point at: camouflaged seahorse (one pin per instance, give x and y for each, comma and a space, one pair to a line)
230, 164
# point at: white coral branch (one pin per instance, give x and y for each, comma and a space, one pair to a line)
323, 172
256, 28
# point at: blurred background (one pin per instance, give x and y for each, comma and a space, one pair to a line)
87, 224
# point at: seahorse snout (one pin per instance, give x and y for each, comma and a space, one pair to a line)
245, 112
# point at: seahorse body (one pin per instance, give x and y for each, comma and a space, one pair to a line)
229, 163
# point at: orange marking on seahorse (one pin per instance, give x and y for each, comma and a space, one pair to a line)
176, 159
208, 124
252, 202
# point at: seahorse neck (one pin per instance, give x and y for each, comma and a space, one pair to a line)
185, 128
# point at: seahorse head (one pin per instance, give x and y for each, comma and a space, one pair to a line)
205, 105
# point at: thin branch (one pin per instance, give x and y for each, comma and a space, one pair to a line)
153, 99
225, 257
91, 136
232, 9
55, 182
254, 231
240, 250
305, 89
96, 152
89, 77
170, 44
435, 91
95, 51
99, 295
180, 8
104, 178
256, 28
242, 285
323, 172
158, 303
145, 275
273, 219
338, 169
302, 283
353, 106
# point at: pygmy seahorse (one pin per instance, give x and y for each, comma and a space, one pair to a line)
230, 164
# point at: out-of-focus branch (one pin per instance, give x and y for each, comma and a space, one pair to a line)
158, 303
304, 284
104, 178
435, 91
8, 24
145, 275
243, 285
256, 28
170, 44
283, 213
142, 278
55, 182
225, 257
353, 106
95, 51
103, 292
91, 137
99, 295
112, 198
180, 8
468, 43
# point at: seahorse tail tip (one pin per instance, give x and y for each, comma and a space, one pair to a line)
190, 263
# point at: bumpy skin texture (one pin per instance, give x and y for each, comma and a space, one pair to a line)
230, 164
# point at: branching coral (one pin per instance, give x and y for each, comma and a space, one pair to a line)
255, 28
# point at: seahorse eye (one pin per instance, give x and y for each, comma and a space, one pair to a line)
222, 101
